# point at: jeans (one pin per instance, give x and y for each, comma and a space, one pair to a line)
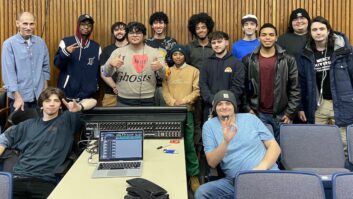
222, 188
269, 118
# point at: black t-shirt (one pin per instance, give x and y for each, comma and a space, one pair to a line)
322, 69
106, 52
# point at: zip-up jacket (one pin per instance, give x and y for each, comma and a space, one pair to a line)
286, 85
197, 54
341, 81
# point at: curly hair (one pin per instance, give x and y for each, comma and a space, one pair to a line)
158, 16
135, 26
197, 18
117, 24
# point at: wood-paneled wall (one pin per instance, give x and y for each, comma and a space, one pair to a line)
57, 18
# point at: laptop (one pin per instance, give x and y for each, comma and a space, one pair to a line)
120, 154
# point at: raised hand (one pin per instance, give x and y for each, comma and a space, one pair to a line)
117, 61
156, 65
70, 49
72, 106
229, 129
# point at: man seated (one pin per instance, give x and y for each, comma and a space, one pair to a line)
237, 142
44, 143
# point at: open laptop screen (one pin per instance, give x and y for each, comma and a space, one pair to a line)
121, 145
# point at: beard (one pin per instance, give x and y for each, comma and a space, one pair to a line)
120, 39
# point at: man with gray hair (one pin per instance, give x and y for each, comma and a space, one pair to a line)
25, 64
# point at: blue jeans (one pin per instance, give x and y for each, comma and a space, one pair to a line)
269, 118
222, 188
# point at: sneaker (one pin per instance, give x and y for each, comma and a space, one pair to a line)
194, 183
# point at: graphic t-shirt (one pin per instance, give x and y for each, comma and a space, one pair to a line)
322, 69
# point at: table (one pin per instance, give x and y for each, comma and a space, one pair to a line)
166, 170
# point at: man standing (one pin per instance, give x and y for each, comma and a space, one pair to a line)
181, 87
110, 89
271, 79
236, 142
43, 143
221, 72
25, 64
326, 77
249, 42
200, 25
78, 61
159, 23
136, 66
298, 32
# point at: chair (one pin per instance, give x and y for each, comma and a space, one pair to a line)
277, 185
315, 148
350, 143
10, 156
5, 185
342, 186
4, 109
19, 116
310, 147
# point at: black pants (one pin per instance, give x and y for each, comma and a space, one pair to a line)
26, 104
29, 187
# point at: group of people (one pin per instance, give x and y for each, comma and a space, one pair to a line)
304, 76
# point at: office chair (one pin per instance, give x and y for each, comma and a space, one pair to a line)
342, 186
4, 109
10, 156
350, 143
5, 185
19, 116
269, 184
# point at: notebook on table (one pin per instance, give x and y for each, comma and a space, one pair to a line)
120, 154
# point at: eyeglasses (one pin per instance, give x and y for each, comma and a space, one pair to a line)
88, 25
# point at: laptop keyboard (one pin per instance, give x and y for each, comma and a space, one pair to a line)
119, 165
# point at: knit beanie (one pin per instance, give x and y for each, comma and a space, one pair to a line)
176, 48
224, 95
300, 12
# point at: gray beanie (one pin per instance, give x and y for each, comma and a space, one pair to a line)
224, 95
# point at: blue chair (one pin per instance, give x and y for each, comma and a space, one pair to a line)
342, 186
5, 185
350, 143
278, 185
314, 148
